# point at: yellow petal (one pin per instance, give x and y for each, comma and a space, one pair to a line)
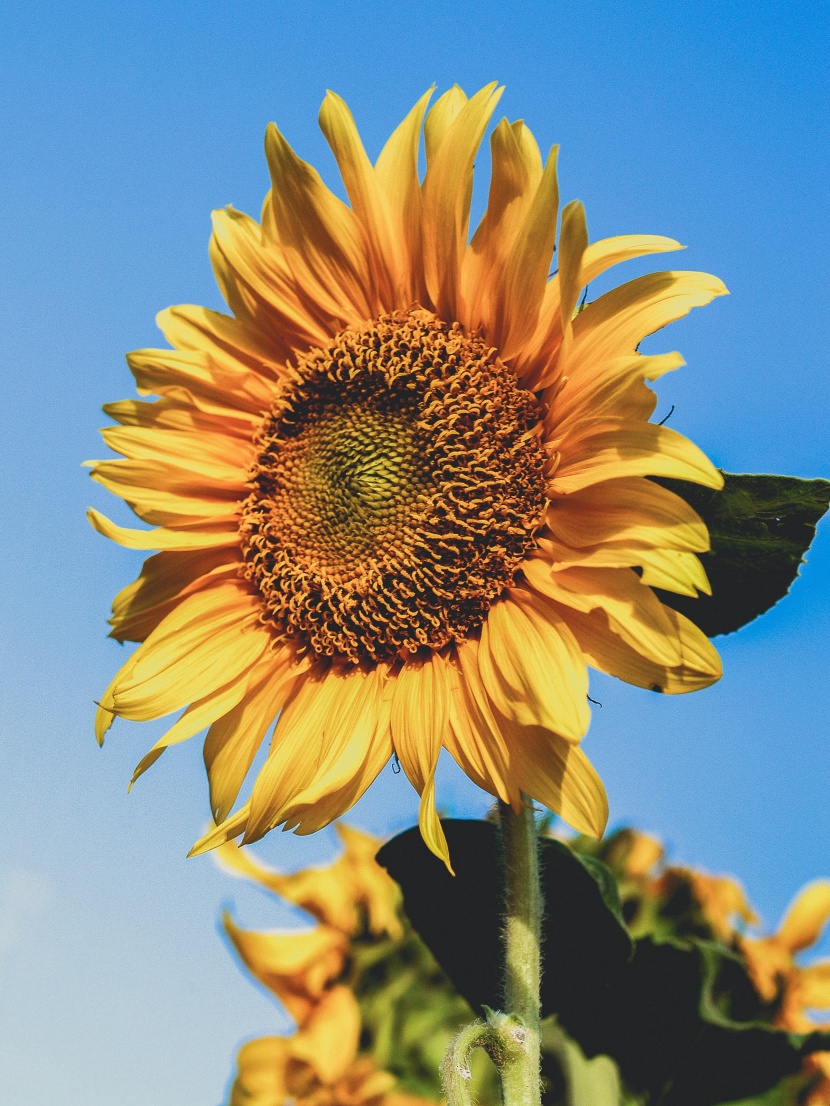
615, 387
699, 665
557, 773
216, 456
318, 232
440, 117
814, 986
538, 361
209, 639
515, 173
532, 667
670, 569
192, 538
194, 377
331, 741
232, 827
419, 719
329, 1040
627, 509
573, 241
296, 966
601, 255
618, 321
634, 612
256, 279
525, 274
260, 1076
234, 739
606, 449
165, 580
165, 495
233, 349
806, 917
181, 413
366, 195
674, 570
474, 738
446, 194
196, 718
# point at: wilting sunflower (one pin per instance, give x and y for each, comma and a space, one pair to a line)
400, 494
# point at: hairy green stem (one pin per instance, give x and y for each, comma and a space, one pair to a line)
511, 1039
522, 944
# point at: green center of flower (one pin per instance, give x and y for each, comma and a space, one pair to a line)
398, 486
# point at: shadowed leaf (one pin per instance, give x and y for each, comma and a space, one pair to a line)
681, 1019
760, 528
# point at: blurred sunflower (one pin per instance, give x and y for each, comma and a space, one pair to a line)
401, 494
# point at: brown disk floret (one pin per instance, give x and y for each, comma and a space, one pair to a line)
398, 486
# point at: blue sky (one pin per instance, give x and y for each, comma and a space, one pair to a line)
123, 126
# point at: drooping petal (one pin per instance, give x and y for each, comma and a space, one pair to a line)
196, 718
532, 667
234, 739
419, 719
559, 774
330, 743
605, 650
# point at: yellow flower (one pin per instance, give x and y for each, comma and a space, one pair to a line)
400, 495
796, 990
319, 1066
337, 893
297, 967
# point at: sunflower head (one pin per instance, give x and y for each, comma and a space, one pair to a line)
400, 494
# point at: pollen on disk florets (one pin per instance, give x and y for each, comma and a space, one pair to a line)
399, 482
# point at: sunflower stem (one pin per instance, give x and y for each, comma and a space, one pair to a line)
522, 949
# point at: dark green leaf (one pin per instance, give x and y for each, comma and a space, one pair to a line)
681, 1019
760, 528
459, 917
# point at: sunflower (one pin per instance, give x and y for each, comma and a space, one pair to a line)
400, 496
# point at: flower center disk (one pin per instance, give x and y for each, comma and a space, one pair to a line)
399, 482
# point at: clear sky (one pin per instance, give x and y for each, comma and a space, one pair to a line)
122, 126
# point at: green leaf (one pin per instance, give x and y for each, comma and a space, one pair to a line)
760, 528
570, 1078
681, 1019
459, 917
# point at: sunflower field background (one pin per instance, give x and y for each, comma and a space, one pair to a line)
121, 130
